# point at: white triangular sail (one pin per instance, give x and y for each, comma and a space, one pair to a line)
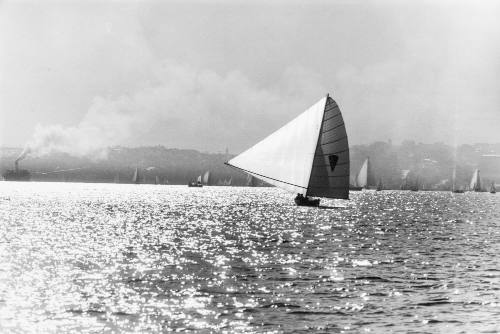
198, 179
309, 155
285, 157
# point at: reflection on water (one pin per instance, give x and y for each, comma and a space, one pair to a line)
144, 258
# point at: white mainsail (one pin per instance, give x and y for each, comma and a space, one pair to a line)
309, 155
198, 179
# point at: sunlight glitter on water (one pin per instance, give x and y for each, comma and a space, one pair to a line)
144, 258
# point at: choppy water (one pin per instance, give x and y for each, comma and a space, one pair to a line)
125, 258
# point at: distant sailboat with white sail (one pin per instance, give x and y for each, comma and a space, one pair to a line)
135, 177
309, 156
493, 189
475, 182
197, 183
364, 178
228, 182
206, 178
251, 181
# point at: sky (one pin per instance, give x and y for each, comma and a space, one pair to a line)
76, 76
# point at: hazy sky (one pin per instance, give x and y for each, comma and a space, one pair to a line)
77, 75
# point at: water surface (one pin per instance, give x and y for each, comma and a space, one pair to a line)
142, 258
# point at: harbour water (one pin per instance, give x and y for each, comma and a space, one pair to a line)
98, 258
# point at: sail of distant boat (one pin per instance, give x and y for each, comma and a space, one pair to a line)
362, 176
251, 181
206, 178
135, 177
475, 182
493, 189
199, 179
308, 156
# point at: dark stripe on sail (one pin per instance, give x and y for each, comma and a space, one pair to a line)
335, 127
267, 177
329, 176
338, 152
336, 115
326, 165
334, 141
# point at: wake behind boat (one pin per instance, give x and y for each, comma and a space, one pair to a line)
309, 156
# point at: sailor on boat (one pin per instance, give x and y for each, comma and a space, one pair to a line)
306, 201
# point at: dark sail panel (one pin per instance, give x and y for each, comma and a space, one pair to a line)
330, 170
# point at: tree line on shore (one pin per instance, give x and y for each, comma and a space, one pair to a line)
432, 164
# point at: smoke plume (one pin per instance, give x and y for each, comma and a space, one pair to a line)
185, 108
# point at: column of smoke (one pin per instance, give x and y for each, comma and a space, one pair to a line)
193, 106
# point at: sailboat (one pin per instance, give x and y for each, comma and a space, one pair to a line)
135, 177
364, 179
206, 178
228, 182
475, 182
251, 181
493, 189
196, 183
309, 156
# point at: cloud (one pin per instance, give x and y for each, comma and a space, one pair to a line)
191, 106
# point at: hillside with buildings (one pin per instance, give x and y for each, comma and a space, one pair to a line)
432, 164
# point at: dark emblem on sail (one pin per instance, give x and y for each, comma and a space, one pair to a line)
333, 161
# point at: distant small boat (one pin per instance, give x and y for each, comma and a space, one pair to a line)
196, 184
251, 181
206, 178
493, 189
228, 182
135, 177
309, 156
364, 179
475, 182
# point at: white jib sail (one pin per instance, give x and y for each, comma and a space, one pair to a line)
285, 157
